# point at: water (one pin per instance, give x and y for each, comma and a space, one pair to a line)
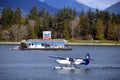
36, 64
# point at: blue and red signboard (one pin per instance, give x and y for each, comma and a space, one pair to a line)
46, 34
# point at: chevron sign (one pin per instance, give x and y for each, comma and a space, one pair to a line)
46, 34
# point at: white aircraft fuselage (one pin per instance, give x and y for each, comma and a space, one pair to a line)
67, 61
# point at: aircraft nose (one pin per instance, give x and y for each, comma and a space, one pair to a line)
57, 60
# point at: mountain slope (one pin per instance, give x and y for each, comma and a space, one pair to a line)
67, 3
114, 8
26, 5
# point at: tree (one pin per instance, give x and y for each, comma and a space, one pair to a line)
5, 35
111, 31
117, 19
117, 32
14, 32
41, 13
84, 26
10, 16
33, 14
65, 31
91, 23
82, 13
4, 18
60, 19
97, 15
47, 21
37, 27
23, 32
22, 20
74, 27
99, 30
17, 16
32, 24
74, 13
105, 17
7, 18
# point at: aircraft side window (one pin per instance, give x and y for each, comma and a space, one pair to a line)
43, 44
29, 44
70, 59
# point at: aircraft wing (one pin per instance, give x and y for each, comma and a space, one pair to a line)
57, 57
62, 57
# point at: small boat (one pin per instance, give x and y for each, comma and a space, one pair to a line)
43, 44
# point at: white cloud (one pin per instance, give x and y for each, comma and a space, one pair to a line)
100, 4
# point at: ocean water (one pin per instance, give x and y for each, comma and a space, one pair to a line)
36, 64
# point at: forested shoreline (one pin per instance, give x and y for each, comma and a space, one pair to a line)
65, 23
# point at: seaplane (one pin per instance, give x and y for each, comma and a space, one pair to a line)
71, 63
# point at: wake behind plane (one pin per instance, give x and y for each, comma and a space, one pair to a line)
71, 63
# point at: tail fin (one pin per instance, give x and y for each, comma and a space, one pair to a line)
87, 56
86, 60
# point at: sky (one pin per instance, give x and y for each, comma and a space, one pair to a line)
100, 4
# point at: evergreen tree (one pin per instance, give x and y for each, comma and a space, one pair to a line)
22, 20
11, 16
82, 13
117, 19
63, 24
32, 34
111, 31
41, 13
31, 25
17, 16
105, 16
97, 14
117, 32
91, 22
37, 27
33, 14
4, 18
66, 31
7, 17
84, 26
99, 30
74, 14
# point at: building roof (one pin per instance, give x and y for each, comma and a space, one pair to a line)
43, 41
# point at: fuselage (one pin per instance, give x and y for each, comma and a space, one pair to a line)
68, 61
64, 62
